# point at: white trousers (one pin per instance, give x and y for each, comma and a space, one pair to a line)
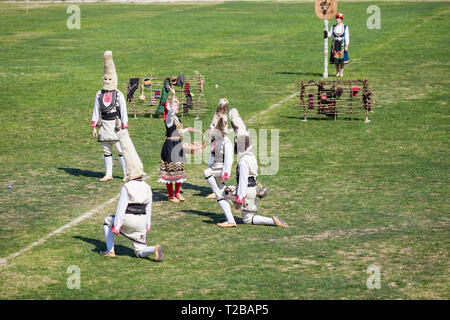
133, 228
108, 147
218, 187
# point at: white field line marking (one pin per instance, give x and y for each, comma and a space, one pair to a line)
3, 261
403, 33
272, 106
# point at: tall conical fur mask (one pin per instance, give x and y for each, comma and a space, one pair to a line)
134, 166
242, 140
219, 123
237, 123
109, 72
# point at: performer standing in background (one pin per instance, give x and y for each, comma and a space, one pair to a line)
221, 160
248, 190
134, 210
110, 116
339, 44
172, 155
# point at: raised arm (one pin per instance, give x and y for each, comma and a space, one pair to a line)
170, 108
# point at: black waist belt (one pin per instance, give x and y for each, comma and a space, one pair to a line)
110, 116
251, 182
134, 208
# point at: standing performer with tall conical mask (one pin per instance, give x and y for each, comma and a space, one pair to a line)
110, 116
221, 160
134, 210
248, 190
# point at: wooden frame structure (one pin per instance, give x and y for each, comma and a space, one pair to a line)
146, 98
335, 97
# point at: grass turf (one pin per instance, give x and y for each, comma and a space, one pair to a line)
355, 194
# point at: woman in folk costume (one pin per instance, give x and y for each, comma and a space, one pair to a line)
221, 160
172, 155
339, 44
134, 210
248, 190
110, 116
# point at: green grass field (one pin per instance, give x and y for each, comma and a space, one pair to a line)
355, 194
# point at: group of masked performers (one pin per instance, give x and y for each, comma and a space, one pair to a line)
132, 217
248, 191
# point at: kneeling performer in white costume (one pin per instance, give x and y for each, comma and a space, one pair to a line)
248, 190
134, 210
221, 160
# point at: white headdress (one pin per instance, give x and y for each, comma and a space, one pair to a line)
219, 123
241, 134
109, 72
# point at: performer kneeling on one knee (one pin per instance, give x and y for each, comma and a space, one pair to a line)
248, 190
172, 154
134, 210
110, 116
221, 160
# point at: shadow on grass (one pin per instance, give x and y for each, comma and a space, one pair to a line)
326, 118
86, 173
215, 217
301, 73
204, 190
160, 194
100, 245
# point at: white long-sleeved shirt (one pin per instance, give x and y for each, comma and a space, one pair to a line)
228, 159
123, 109
339, 30
170, 117
243, 181
122, 207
